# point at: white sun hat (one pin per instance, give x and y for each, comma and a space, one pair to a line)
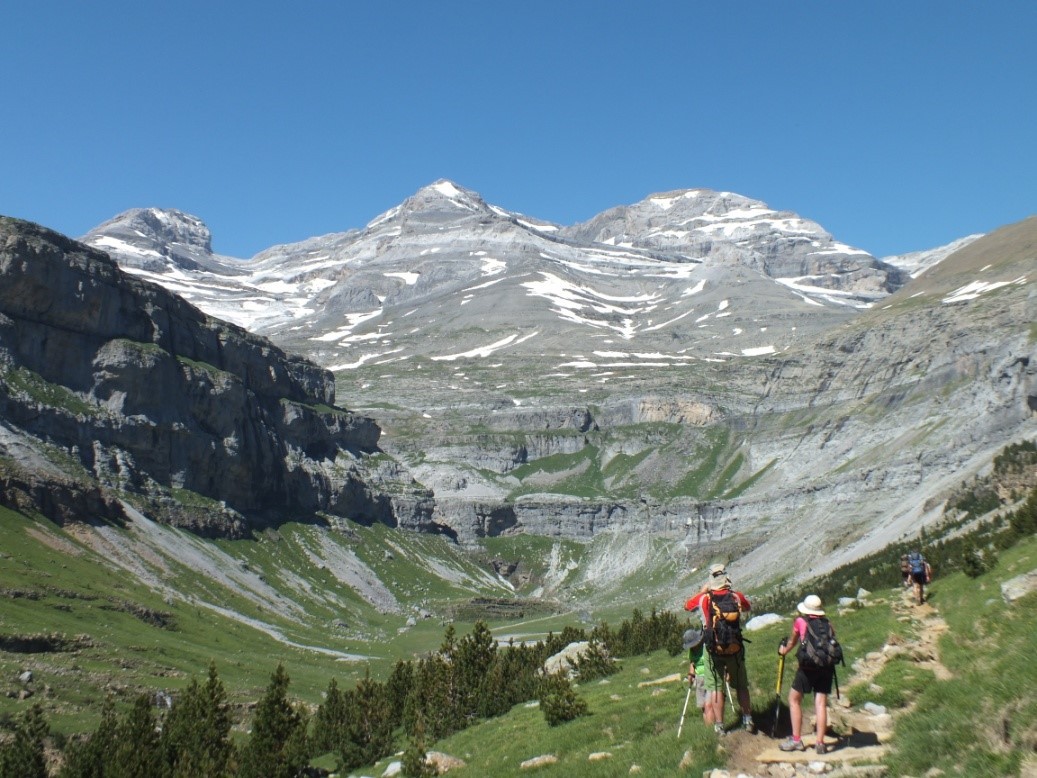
811, 606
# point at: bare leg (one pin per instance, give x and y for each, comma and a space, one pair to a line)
796, 713
717, 698
745, 702
708, 716
821, 713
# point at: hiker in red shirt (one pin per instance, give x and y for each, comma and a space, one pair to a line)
721, 608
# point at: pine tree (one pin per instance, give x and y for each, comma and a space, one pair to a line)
432, 697
195, 738
87, 759
398, 687
329, 723
136, 751
1024, 519
277, 747
24, 757
471, 667
559, 700
495, 691
595, 662
369, 724
415, 761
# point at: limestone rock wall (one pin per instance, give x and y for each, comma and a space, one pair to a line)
150, 396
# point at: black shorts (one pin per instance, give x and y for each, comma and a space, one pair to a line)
918, 578
813, 680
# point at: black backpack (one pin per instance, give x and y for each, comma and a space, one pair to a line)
819, 648
723, 628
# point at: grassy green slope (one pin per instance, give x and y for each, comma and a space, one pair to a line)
637, 725
247, 605
983, 720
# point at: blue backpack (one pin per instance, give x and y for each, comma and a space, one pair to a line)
917, 563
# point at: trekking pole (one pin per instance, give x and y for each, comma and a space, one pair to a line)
777, 687
730, 698
681, 725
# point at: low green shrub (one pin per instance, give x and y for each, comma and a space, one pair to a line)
559, 701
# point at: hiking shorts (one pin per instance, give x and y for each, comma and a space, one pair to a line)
813, 680
918, 578
732, 666
701, 695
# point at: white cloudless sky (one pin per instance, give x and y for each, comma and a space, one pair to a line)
897, 126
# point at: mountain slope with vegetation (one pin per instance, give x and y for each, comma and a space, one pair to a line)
631, 715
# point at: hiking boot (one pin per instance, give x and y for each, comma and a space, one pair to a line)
788, 744
748, 725
821, 748
719, 730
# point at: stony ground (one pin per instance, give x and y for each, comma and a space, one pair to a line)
864, 731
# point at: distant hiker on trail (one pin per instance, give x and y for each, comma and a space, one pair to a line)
694, 642
905, 570
818, 654
921, 574
721, 609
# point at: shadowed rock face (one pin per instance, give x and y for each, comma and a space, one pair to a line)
143, 394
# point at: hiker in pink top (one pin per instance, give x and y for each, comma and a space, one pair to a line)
812, 632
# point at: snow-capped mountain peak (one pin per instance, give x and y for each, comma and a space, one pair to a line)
445, 276
156, 240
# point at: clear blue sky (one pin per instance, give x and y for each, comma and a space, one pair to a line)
896, 125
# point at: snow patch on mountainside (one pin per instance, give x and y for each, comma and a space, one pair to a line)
109, 243
918, 262
809, 291
485, 351
973, 290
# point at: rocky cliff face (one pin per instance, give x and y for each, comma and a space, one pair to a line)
830, 449
139, 395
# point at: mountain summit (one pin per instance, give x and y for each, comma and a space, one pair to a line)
723, 227
661, 276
